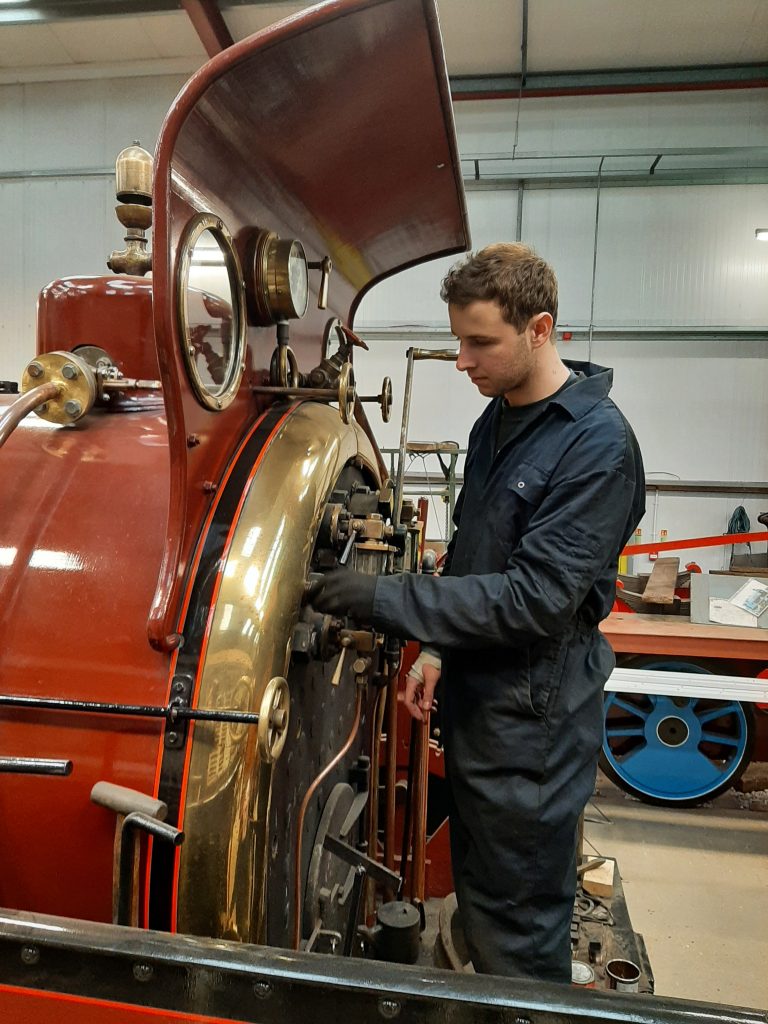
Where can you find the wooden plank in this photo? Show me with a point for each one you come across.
(672, 625)
(598, 881)
(660, 588)
(672, 634)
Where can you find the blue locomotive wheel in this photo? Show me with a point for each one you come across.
(675, 751)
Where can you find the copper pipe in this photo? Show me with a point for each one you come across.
(420, 780)
(303, 810)
(24, 405)
(373, 801)
(391, 781)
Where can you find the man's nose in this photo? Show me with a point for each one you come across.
(463, 362)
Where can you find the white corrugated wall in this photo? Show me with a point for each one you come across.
(667, 257)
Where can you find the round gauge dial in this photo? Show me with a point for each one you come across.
(279, 287)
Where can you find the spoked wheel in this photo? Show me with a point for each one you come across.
(675, 751)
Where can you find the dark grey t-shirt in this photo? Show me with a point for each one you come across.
(512, 420)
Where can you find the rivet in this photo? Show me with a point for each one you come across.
(262, 989)
(35, 369)
(389, 1008)
(172, 737)
(143, 972)
(30, 955)
(192, 440)
(69, 371)
(209, 486)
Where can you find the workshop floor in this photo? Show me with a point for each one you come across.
(696, 886)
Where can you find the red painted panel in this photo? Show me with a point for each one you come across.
(82, 518)
(113, 313)
(25, 1006)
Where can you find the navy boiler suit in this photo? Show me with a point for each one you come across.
(531, 572)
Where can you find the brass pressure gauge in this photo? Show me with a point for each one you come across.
(279, 285)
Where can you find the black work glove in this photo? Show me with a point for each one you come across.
(344, 592)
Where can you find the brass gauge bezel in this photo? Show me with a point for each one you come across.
(269, 287)
(224, 395)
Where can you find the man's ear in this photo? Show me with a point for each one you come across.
(541, 327)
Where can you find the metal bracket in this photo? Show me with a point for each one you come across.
(181, 694)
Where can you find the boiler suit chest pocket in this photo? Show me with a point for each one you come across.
(517, 500)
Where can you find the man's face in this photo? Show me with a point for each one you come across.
(493, 353)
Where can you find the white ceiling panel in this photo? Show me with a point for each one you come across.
(482, 37)
(104, 39)
(173, 35)
(591, 34)
(30, 46)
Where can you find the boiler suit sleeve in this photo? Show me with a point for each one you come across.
(576, 532)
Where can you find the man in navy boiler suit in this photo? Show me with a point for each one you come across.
(553, 489)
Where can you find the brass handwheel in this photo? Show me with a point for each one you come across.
(347, 393)
(274, 714)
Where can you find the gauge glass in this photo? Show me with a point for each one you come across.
(211, 331)
(211, 311)
(298, 279)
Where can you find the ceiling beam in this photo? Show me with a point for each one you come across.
(209, 25)
(575, 83)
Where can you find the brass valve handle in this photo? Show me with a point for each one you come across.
(384, 399)
(345, 393)
(325, 266)
(274, 713)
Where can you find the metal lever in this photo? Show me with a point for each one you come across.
(132, 824)
(325, 266)
(35, 766)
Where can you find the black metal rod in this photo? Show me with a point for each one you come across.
(171, 712)
(133, 823)
(35, 766)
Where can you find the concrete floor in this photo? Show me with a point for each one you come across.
(696, 885)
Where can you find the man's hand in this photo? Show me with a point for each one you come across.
(344, 592)
(420, 685)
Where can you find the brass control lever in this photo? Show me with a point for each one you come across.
(325, 266)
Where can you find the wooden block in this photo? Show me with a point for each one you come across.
(660, 588)
(598, 881)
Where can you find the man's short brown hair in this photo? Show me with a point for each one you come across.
(509, 273)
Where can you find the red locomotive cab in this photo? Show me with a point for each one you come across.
(187, 449)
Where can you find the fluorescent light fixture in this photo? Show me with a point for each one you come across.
(208, 258)
(761, 234)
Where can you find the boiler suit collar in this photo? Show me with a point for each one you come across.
(591, 388)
